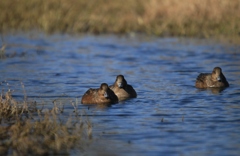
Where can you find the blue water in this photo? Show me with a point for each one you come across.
(169, 116)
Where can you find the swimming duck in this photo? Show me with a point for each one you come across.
(102, 95)
(214, 79)
(122, 89)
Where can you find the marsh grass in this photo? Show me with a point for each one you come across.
(28, 130)
(159, 17)
(2, 48)
(2, 51)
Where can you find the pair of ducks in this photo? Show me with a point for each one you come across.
(120, 90)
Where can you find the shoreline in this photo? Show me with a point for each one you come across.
(160, 18)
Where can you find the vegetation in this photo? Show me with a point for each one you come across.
(27, 130)
(158, 17)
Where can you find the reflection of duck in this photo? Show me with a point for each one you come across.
(216, 90)
(102, 95)
(122, 89)
(212, 80)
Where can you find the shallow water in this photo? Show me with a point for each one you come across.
(169, 116)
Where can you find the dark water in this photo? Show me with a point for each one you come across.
(169, 116)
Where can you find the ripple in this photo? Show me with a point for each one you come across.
(169, 116)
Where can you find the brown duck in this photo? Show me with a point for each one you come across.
(102, 95)
(211, 80)
(122, 89)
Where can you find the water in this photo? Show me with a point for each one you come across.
(169, 116)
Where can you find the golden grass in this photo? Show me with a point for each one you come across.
(2, 48)
(27, 130)
(159, 17)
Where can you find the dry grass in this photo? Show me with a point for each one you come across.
(27, 130)
(2, 48)
(159, 17)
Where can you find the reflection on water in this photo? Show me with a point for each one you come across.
(213, 90)
(169, 116)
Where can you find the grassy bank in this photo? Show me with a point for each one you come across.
(27, 130)
(158, 17)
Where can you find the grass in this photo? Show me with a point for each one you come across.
(159, 17)
(2, 48)
(28, 130)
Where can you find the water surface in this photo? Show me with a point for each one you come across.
(169, 116)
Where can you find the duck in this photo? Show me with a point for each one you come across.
(122, 89)
(216, 79)
(102, 95)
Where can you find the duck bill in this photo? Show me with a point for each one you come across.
(106, 95)
(120, 85)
